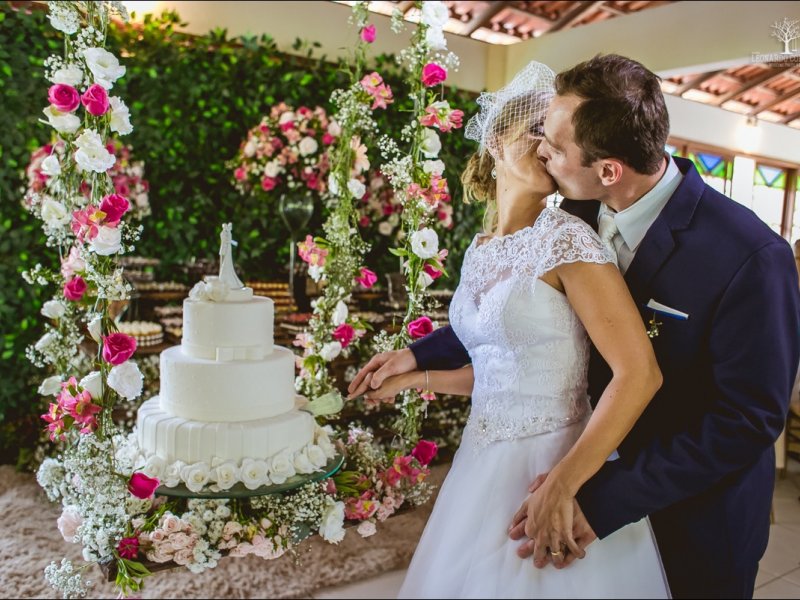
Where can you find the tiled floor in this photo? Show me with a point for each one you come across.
(778, 577)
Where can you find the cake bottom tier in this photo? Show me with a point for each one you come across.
(200, 454)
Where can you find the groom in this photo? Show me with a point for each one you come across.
(726, 332)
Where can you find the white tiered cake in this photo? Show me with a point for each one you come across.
(227, 410)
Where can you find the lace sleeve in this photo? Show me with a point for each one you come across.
(572, 240)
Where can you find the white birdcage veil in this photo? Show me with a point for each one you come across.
(508, 116)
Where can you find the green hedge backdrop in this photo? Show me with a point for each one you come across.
(192, 100)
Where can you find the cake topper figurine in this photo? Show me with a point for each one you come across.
(227, 273)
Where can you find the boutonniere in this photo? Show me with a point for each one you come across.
(653, 330)
(664, 311)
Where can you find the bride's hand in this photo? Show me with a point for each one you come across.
(395, 384)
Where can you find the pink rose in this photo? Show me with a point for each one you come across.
(344, 334)
(419, 328)
(268, 183)
(328, 139)
(75, 288)
(425, 451)
(64, 97)
(432, 271)
(118, 347)
(95, 99)
(433, 74)
(68, 523)
(114, 206)
(368, 34)
(366, 528)
(171, 524)
(368, 278)
(240, 174)
(72, 263)
(128, 548)
(142, 486)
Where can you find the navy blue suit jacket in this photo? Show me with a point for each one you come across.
(700, 461)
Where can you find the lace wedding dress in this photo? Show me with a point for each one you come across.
(530, 352)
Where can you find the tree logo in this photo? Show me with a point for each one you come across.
(787, 31)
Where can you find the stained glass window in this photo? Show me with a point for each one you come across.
(715, 170)
(768, 195)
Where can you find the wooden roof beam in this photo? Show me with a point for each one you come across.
(483, 18)
(696, 82)
(779, 99)
(762, 79)
(569, 18)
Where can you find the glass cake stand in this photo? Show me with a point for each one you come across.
(240, 491)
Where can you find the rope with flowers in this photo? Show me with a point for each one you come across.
(416, 176)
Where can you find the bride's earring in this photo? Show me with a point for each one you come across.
(494, 173)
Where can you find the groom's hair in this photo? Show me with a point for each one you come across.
(623, 114)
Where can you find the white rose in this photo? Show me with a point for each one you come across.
(302, 464)
(333, 185)
(155, 467)
(366, 528)
(61, 122)
(340, 313)
(315, 272)
(70, 74)
(195, 476)
(93, 383)
(226, 475)
(286, 117)
(424, 280)
(55, 214)
(217, 289)
(126, 380)
(120, 116)
(172, 474)
(435, 14)
(107, 242)
(317, 455)
(307, 145)
(330, 351)
(104, 66)
(356, 188)
(334, 129)
(92, 154)
(385, 228)
(68, 523)
(434, 167)
(332, 527)
(281, 467)
(254, 473)
(53, 309)
(199, 292)
(46, 340)
(431, 144)
(250, 148)
(51, 166)
(50, 386)
(425, 243)
(435, 39)
(272, 168)
(95, 330)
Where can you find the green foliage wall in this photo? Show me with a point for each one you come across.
(192, 100)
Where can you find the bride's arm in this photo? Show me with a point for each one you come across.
(458, 382)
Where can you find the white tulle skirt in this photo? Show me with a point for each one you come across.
(465, 551)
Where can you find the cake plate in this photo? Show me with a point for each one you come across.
(240, 491)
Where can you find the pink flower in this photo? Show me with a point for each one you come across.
(64, 97)
(269, 183)
(419, 328)
(371, 82)
(311, 253)
(344, 334)
(368, 278)
(95, 99)
(143, 486)
(72, 263)
(433, 74)
(85, 223)
(425, 452)
(363, 221)
(368, 34)
(240, 174)
(432, 271)
(114, 206)
(80, 407)
(328, 139)
(128, 548)
(382, 96)
(68, 523)
(438, 191)
(75, 288)
(118, 347)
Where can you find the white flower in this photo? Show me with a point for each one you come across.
(302, 463)
(104, 66)
(53, 309)
(435, 14)
(272, 168)
(356, 188)
(366, 528)
(434, 167)
(61, 122)
(70, 74)
(126, 380)
(315, 272)
(107, 242)
(334, 129)
(424, 280)
(332, 527)
(425, 243)
(51, 166)
(46, 340)
(431, 144)
(435, 39)
(95, 328)
(254, 473)
(68, 523)
(195, 476)
(286, 117)
(172, 474)
(217, 289)
(120, 116)
(155, 467)
(226, 475)
(50, 386)
(385, 228)
(92, 154)
(63, 17)
(340, 313)
(281, 467)
(330, 351)
(250, 148)
(93, 383)
(199, 292)
(317, 455)
(307, 145)
(55, 214)
(333, 184)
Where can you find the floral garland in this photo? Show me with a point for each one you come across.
(416, 176)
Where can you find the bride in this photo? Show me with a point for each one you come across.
(531, 289)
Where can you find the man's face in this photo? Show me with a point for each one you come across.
(562, 156)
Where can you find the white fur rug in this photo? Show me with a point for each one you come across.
(30, 540)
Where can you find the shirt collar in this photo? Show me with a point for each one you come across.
(634, 221)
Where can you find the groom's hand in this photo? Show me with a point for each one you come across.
(381, 366)
(581, 531)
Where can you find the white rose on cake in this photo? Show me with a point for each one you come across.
(282, 467)
(126, 380)
(254, 473)
(332, 527)
(317, 456)
(196, 476)
(217, 289)
(172, 474)
(302, 464)
(155, 466)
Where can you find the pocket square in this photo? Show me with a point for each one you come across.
(662, 309)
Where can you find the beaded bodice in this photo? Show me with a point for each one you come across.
(529, 350)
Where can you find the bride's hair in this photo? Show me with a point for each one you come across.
(479, 186)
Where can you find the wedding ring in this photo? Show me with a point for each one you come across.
(559, 553)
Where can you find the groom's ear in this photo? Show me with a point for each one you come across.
(609, 171)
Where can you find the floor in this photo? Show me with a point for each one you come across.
(778, 576)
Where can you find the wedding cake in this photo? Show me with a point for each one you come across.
(227, 411)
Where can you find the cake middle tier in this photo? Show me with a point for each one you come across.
(207, 390)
